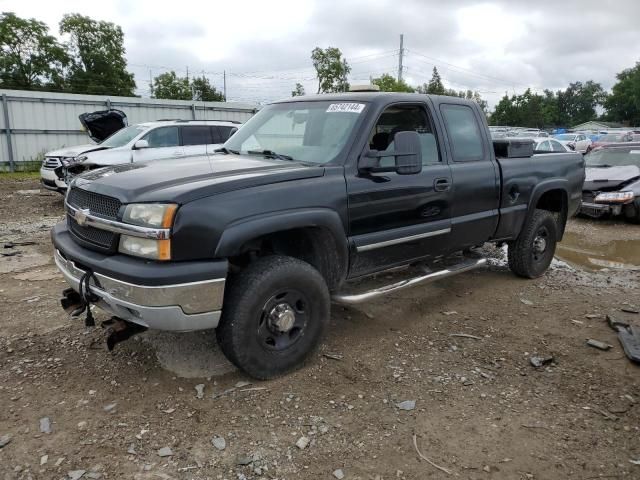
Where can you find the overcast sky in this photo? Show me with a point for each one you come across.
(264, 46)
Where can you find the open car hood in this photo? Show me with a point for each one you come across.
(610, 178)
(102, 124)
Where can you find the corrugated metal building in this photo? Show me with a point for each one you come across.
(33, 123)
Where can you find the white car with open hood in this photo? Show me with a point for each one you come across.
(161, 140)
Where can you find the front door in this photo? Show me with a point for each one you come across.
(164, 143)
(394, 219)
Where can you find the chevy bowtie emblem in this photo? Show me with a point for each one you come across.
(81, 216)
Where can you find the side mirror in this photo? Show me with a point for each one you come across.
(140, 144)
(407, 154)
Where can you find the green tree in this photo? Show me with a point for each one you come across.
(98, 63)
(435, 85)
(578, 103)
(30, 58)
(388, 83)
(204, 91)
(623, 105)
(331, 70)
(298, 91)
(169, 86)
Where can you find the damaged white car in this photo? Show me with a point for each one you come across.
(161, 140)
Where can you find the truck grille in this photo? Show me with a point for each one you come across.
(102, 239)
(51, 162)
(97, 204)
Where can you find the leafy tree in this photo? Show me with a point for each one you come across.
(168, 85)
(204, 91)
(577, 104)
(435, 85)
(30, 58)
(98, 63)
(388, 83)
(623, 105)
(298, 91)
(331, 70)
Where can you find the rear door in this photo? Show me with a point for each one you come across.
(164, 143)
(394, 219)
(195, 139)
(475, 173)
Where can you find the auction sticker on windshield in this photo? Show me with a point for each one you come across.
(345, 108)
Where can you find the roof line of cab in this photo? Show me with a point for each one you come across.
(372, 97)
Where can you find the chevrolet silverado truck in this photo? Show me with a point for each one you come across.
(302, 207)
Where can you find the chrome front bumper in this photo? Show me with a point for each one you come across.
(181, 308)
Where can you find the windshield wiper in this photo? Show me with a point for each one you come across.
(271, 154)
(226, 151)
(600, 165)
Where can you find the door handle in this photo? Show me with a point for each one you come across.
(441, 184)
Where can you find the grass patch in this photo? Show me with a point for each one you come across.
(17, 176)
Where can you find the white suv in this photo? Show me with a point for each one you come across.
(165, 139)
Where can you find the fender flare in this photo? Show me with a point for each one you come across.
(543, 187)
(237, 234)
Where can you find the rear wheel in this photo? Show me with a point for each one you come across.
(531, 254)
(274, 316)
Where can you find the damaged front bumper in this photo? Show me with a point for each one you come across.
(151, 294)
(597, 210)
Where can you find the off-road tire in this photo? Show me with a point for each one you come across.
(525, 259)
(242, 325)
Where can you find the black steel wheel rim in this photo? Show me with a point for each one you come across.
(540, 247)
(283, 320)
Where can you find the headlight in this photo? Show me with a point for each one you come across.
(153, 215)
(145, 247)
(614, 197)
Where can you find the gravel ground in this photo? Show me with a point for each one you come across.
(392, 378)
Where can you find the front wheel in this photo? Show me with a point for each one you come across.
(274, 316)
(531, 253)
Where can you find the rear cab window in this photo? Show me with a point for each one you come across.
(464, 132)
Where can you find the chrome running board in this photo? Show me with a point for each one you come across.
(353, 299)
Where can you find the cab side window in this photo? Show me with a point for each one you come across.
(557, 146)
(163, 137)
(464, 132)
(404, 118)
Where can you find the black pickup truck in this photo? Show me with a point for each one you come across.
(307, 198)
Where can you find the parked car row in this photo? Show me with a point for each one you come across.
(161, 140)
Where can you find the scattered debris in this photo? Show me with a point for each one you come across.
(541, 361)
(302, 443)
(45, 425)
(110, 407)
(76, 474)
(526, 302)
(465, 335)
(630, 310)
(604, 413)
(442, 469)
(28, 192)
(332, 356)
(199, 390)
(132, 450)
(241, 384)
(591, 316)
(44, 459)
(452, 312)
(244, 460)
(5, 440)
(219, 443)
(535, 426)
(339, 474)
(599, 345)
(165, 452)
(629, 337)
(406, 405)
(635, 462)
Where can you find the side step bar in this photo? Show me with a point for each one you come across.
(353, 299)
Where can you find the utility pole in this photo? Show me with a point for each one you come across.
(224, 84)
(400, 57)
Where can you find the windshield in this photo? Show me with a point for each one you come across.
(122, 137)
(613, 157)
(313, 132)
(565, 137)
(610, 138)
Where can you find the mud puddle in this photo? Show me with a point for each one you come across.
(578, 250)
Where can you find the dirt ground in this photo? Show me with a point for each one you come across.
(482, 411)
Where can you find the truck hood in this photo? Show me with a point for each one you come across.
(190, 178)
(610, 178)
(73, 151)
